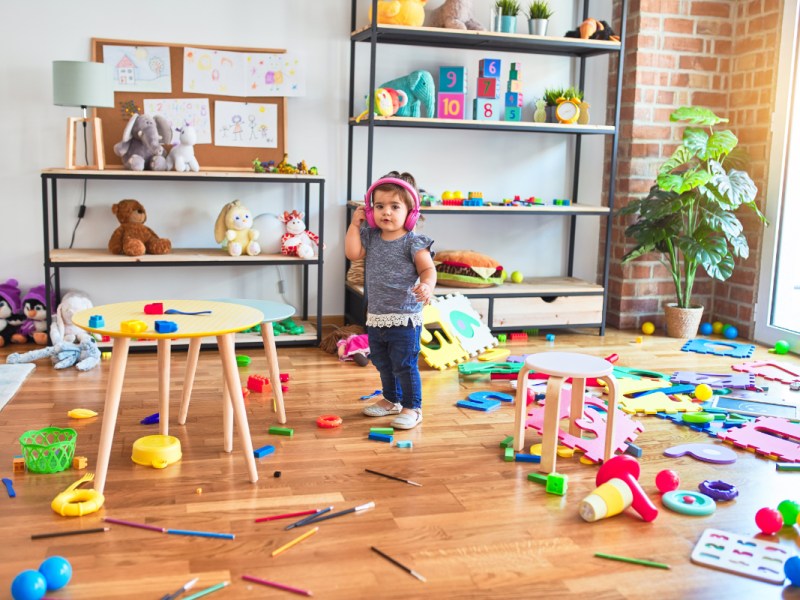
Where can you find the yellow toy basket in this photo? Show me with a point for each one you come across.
(48, 450)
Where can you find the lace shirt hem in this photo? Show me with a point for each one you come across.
(394, 320)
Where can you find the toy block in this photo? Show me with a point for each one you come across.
(633, 450)
(405, 444)
(97, 321)
(502, 337)
(531, 458)
(482, 404)
(486, 110)
(513, 74)
(513, 99)
(518, 336)
(166, 326)
(451, 106)
(150, 419)
(105, 355)
(515, 86)
(257, 383)
(281, 431)
(381, 437)
(489, 67)
(550, 337)
(509, 441)
(79, 462)
(383, 430)
(488, 87)
(556, 484)
(537, 477)
(155, 308)
(242, 360)
(104, 338)
(263, 451)
(508, 454)
(133, 326)
(453, 79)
(513, 113)
(515, 66)
(245, 392)
(18, 464)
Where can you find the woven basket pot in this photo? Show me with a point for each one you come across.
(682, 322)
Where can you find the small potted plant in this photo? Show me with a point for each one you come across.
(508, 11)
(538, 14)
(689, 219)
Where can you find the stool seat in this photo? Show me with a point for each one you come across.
(566, 364)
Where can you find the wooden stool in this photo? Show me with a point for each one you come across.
(560, 366)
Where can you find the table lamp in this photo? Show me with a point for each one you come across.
(84, 84)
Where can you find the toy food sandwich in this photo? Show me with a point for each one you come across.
(465, 268)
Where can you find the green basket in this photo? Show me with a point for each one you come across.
(48, 450)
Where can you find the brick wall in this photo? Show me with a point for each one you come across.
(718, 54)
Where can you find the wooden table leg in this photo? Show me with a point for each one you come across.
(613, 397)
(163, 385)
(231, 373)
(521, 408)
(227, 419)
(116, 375)
(268, 336)
(550, 427)
(576, 405)
(192, 356)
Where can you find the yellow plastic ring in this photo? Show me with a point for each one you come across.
(76, 503)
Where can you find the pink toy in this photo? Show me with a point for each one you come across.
(769, 520)
(297, 241)
(773, 371)
(773, 437)
(667, 481)
(705, 452)
(626, 469)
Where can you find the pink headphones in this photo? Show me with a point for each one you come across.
(413, 215)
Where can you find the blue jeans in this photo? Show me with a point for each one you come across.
(394, 351)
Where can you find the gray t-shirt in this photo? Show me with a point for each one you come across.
(389, 275)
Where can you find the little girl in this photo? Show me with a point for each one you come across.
(399, 278)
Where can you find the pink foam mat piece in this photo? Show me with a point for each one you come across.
(773, 371)
(773, 437)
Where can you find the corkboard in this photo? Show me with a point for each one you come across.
(209, 156)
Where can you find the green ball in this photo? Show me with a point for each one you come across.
(781, 347)
(516, 277)
(789, 510)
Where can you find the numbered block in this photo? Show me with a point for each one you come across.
(513, 113)
(489, 67)
(486, 110)
(453, 80)
(513, 75)
(515, 66)
(515, 85)
(513, 99)
(451, 106)
(488, 87)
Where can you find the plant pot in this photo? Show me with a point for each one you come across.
(550, 111)
(508, 24)
(537, 26)
(496, 22)
(682, 322)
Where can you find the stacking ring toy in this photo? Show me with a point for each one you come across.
(718, 490)
(329, 421)
(698, 417)
(76, 503)
(689, 503)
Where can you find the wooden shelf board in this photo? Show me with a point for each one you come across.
(532, 286)
(526, 126)
(207, 174)
(576, 209)
(65, 256)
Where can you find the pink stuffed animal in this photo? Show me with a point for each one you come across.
(297, 241)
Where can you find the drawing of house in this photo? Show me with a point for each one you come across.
(126, 71)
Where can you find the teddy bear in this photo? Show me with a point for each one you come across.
(400, 12)
(181, 157)
(133, 237)
(234, 230)
(455, 14)
(10, 305)
(34, 309)
(62, 328)
(297, 241)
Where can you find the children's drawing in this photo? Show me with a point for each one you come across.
(275, 75)
(216, 72)
(139, 68)
(180, 112)
(245, 124)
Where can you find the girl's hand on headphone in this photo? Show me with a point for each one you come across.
(359, 216)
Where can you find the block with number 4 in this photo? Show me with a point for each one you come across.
(451, 106)
(513, 99)
(484, 109)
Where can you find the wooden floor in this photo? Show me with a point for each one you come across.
(477, 528)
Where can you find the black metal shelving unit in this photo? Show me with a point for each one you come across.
(57, 258)
(569, 48)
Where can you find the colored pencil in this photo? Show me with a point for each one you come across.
(287, 515)
(131, 524)
(408, 570)
(209, 534)
(296, 540)
(186, 586)
(633, 561)
(347, 511)
(787, 466)
(280, 586)
(393, 477)
(307, 519)
(208, 590)
(39, 536)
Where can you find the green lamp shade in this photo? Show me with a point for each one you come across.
(77, 83)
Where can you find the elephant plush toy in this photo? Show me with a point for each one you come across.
(421, 92)
(140, 148)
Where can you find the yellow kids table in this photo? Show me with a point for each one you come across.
(127, 320)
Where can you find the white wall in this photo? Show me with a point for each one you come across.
(498, 164)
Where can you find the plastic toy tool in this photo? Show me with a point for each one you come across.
(175, 311)
(9, 487)
(625, 469)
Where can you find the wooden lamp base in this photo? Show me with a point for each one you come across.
(97, 143)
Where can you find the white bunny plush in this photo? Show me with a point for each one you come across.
(181, 157)
(62, 329)
(297, 241)
(234, 230)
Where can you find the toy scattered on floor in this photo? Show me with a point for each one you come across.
(740, 555)
(157, 451)
(297, 241)
(150, 419)
(132, 237)
(716, 454)
(263, 451)
(48, 450)
(715, 380)
(782, 347)
(720, 491)
(181, 157)
(140, 148)
(648, 328)
(456, 14)
(703, 392)
(718, 348)
(717, 327)
(626, 470)
(9, 485)
(657, 402)
(234, 230)
(80, 462)
(772, 437)
(667, 480)
(686, 502)
(274, 430)
(608, 500)
(730, 332)
(555, 483)
(329, 421)
(706, 328)
(769, 520)
(773, 371)
(54, 573)
(792, 570)
(789, 510)
(73, 502)
(63, 355)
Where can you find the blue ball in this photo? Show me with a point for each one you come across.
(706, 328)
(731, 332)
(57, 572)
(28, 585)
(792, 569)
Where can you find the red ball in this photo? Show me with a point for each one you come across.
(667, 481)
(769, 520)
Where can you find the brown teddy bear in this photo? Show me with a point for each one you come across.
(133, 237)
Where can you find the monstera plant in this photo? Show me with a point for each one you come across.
(689, 215)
